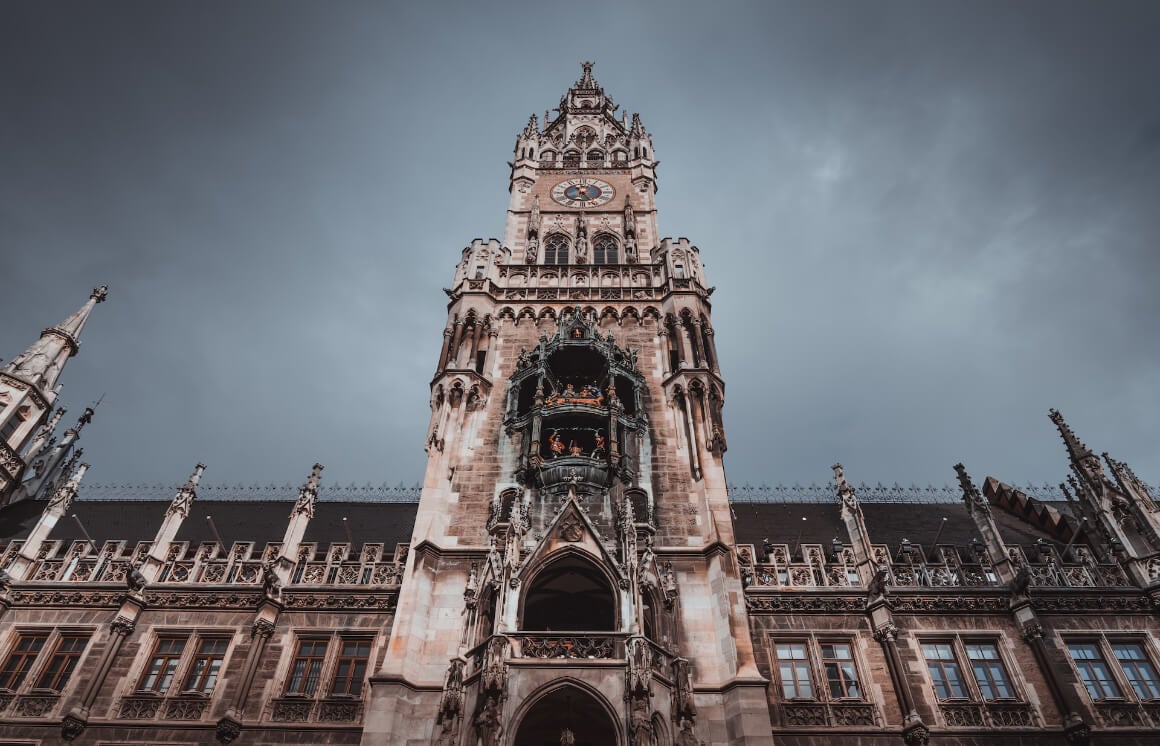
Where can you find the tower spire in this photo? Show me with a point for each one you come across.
(40, 365)
(586, 80)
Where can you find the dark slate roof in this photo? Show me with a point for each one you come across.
(887, 523)
(257, 521)
(392, 522)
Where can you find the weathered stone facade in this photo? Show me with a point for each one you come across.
(574, 570)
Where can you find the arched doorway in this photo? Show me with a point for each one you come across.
(567, 708)
(569, 595)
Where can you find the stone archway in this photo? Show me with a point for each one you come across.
(567, 707)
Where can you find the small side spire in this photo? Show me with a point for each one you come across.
(308, 494)
(186, 494)
(65, 494)
(637, 129)
(973, 499)
(845, 491)
(533, 127)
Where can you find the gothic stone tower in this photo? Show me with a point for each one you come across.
(571, 578)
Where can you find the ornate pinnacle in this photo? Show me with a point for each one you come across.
(637, 127)
(586, 80)
(100, 293)
(971, 497)
(1075, 447)
(63, 498)
(186, 493)
(533, 127)
(308, 493)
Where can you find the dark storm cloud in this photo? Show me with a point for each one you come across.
(926, 222)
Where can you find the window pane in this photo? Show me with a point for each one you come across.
(794, 670)
(1138, 668)
(841, 675)
(307, 667)
(1094, 671)
(944, 670)
(163, 664)
(21, 658)
(63, 661)
(203, 673)
(350, 671)
(989, 672)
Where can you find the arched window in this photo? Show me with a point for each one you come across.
(571, 158)
(595, 155)
(548, 155)
(604, 249)
(556, 249)
(567, 708)
(569, 595)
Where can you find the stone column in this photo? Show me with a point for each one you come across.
(75, 722)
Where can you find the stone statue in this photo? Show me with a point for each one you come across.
(630, 249)
(487, 722)
(135, 580)
(271, 583)
(533, 252)
(642, 728)
(686, 736)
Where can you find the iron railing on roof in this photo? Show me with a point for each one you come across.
(401, 493)
(368, 493)
(876, 493)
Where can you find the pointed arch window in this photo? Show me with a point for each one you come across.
(595, 155)
(604, 249)
(556, 249)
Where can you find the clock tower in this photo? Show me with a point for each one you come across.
(572, 576)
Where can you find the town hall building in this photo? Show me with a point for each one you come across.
(574, 570)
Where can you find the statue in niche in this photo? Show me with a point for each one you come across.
(487, 722)
(575, 450)
(629, 249)
(555, 444)
(532, 255)
(642, 729)
(599, 450)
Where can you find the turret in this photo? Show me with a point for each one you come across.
(28, 390)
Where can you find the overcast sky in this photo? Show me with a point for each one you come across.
(927, 222)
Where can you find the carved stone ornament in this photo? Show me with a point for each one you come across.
(228, 730)
(571, 529)
(886, 633)
(72, 726)
(263, 628)
(916, 734)
(1031, 631)
(123, 625)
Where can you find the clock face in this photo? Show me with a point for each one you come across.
(582, 192)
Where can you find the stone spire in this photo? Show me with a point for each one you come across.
(587, 82)
(1082, 458)
(40, 365)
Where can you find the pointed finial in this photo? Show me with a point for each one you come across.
(637, 127)
(100, 293)
(586, 80)
(532, 128)
(309, 493)
(845, 491)
(971, 496)
(186, 493)
(62, 499)
(1075, 447)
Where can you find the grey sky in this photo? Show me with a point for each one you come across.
(927, 222)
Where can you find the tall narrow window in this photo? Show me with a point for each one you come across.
(841, 674)
(306, 669)
(944, 670)
(604, 250)
(64, 659)
(556, 249)
(989, 671)
(351, 669)
(1094, 671)
(20, 660)
(793, 667)
(1138, 668)
(207, 665)
(162, 664)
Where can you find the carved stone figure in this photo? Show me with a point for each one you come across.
(135, 580)
(532, 255)
(487, 723)
(271, 583)
(642, 728)
(686, 736)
